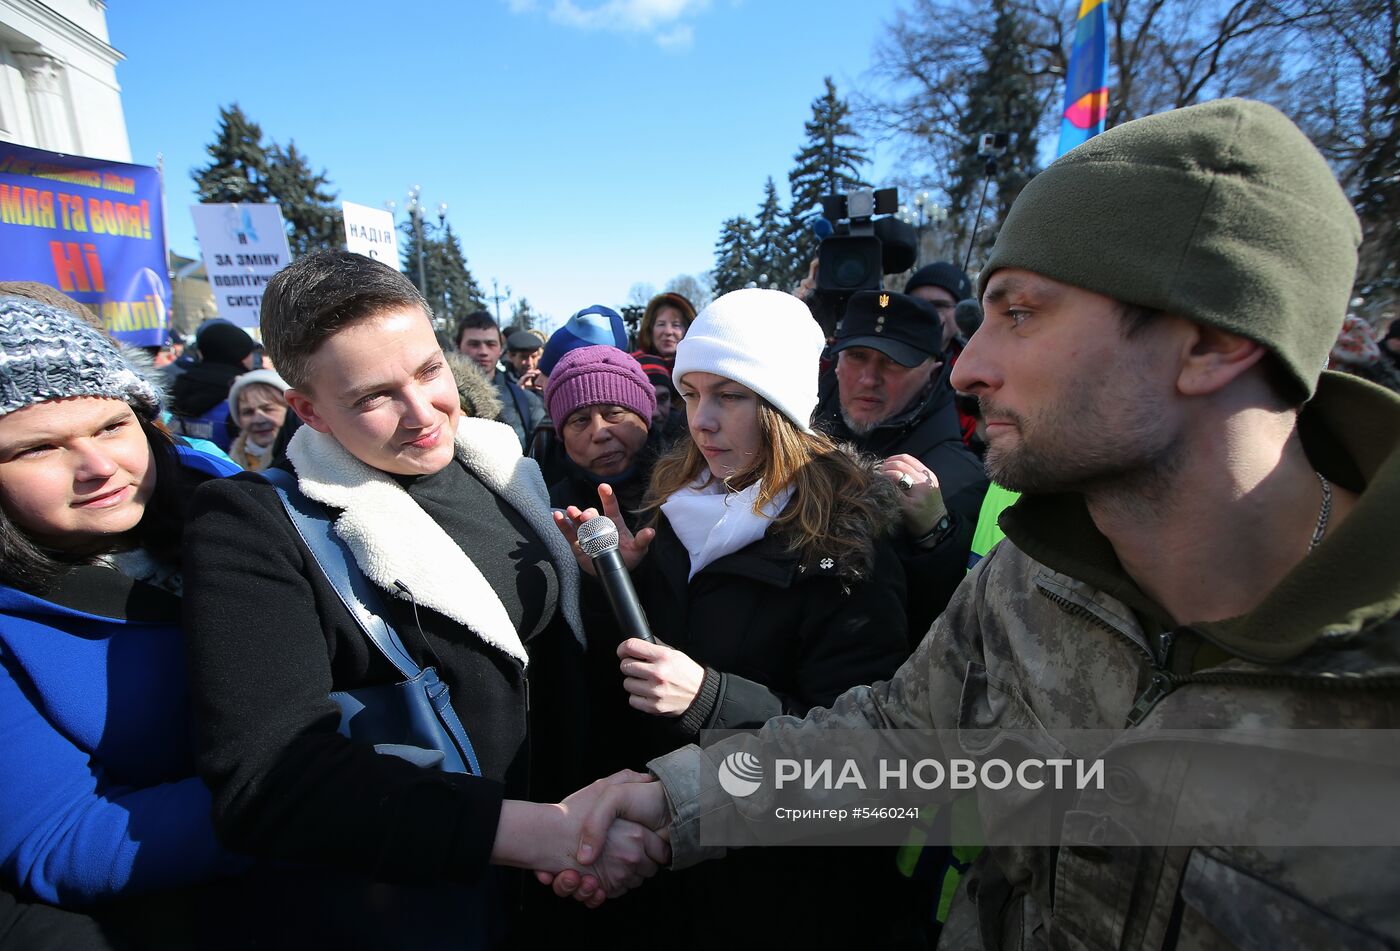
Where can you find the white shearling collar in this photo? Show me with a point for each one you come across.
(393, 539)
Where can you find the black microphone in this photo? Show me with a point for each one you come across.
(598, 539)
(968, 315)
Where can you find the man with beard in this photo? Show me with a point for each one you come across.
(889, 395)
(1200, 566)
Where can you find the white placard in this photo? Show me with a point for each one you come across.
(243, 246)
(370, 231)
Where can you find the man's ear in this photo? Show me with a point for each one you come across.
(302, 404)
(1213, 358)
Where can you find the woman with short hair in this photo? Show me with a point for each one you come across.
(450, 530)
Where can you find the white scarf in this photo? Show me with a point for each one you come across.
(255, 451)
(712, 522)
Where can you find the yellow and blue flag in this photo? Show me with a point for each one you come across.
(1086, 85)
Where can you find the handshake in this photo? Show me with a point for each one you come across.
(599, 843)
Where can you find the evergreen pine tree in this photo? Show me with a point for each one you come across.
(238, 167)
(451, 291)
(772, 250)
(828, 164)
(308, 204)
(734, 262)
(1000, 98)
(460, 294)
(243, 169)
(523, 316)
(409, 259)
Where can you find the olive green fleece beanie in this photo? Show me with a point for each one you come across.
(1223, 213)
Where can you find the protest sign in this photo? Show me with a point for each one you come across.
(370, 231)
(243, 246)
(91, 228)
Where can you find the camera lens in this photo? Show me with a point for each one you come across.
(853, 271)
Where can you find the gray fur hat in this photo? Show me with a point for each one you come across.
(46, 353)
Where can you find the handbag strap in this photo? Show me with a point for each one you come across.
(356, 592)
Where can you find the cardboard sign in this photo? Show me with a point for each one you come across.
(243, 246)
(370, 231)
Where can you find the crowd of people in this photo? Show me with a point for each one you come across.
(221, 574)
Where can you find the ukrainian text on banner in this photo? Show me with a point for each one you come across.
(90, 228)
(370, 231)
(243, 246)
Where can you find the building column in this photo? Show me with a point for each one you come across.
(43, 77)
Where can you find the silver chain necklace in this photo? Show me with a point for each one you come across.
(1323, 513)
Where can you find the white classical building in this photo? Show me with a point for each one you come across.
(58, 79)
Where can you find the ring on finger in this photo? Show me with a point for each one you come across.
(906, 481)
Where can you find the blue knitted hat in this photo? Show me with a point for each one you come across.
(592, 326)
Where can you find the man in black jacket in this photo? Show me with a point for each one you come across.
(889, 395)
(480, 339)
(200, 395)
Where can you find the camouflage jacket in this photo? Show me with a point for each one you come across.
(1049, 635)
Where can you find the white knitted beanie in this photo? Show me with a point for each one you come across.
(766, 340)
(266, 377)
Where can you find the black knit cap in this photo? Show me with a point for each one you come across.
(222, 342)
(906, 329)
(942, 274)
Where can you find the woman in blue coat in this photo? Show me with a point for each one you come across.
(99, 801)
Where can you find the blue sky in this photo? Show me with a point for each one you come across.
(582, 146)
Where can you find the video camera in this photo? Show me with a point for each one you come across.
(858, 249)
(993, 145)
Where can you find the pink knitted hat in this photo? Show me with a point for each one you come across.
(595, 375)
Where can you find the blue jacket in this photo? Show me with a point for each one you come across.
(98, 795)
(211, 425)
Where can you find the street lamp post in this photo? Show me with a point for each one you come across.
(414, 207)
(497, 297)
(415, 211)
(415, 214)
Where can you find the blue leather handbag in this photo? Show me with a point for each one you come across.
(414, 719)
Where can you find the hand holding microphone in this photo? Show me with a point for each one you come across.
(598, 539)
